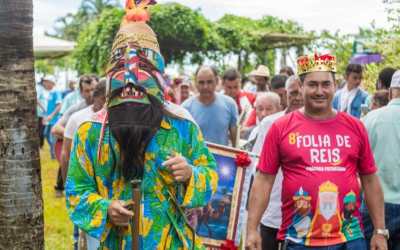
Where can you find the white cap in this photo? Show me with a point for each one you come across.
(50, 79)
(395, 80)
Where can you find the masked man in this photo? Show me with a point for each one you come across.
(138, 136)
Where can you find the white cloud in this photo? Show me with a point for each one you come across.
(344, 15)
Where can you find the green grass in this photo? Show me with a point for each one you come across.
(57, 225)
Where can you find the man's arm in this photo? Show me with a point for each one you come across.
(58, 129)
(56, 110)
(375, 203)
(374, 199)
(233, 133)
(66, 150)
(259, 199)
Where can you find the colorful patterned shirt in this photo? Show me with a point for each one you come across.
(93, 183)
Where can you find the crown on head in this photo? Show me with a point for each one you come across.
(328, 187)
(301, 194)
(315, 63)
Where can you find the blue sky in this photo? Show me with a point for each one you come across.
(346, 15)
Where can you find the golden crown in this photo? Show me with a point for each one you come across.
(328, 187)
(315, 63)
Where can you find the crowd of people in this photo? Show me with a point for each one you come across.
(328, 172)
(229, 115)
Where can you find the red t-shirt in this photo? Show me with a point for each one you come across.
(320, 161)
(252, 120)
(251, 98)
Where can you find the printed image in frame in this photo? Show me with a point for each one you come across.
(218, 221)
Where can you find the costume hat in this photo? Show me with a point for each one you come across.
(316, 63)
(136, 67)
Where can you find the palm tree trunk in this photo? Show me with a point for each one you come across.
(21, 204)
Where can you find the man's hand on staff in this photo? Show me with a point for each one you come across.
(181, 170)
(118, 214)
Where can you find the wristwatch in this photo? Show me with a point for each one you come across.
(383, 232)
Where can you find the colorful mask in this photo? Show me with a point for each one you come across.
(137, 73)
(136, 66)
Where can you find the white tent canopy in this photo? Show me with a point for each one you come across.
(50, 47)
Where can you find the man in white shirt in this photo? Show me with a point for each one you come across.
(72, 125)
(272, 217)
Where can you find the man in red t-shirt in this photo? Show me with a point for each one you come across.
(322, 153)
(231, 81)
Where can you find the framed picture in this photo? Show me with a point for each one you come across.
(219, 221)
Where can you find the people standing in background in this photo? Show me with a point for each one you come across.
(351, 97)
(295, 102)
(278, 86)
(41, 95)
(231, 82)
(385, 78)
(185, 90)
(173, 93)
(260, 77)
(383, 126)
(70, 88)
(85, 88)
(380, 99)
(215, 113)
(266, 104)
(287, 71)
(52, 111)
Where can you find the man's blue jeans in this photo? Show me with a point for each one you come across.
(358, 244)
(392, 221)
(50, 140)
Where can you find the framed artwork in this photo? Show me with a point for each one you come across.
(221, 220)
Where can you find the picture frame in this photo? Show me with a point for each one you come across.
(224, 217)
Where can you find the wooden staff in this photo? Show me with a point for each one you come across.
(136, 199)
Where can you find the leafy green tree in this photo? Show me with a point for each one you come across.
(69, 26)
(186, 36)
(95, 42)
(181, 32)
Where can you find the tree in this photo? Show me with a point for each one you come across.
(257, 38)
(94, 8)
(69, 26)
(95, 42)
(181, 32)
(21, 205)
(186, 36)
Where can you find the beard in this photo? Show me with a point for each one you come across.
(133, 125)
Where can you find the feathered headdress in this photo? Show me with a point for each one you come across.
(136, 10)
